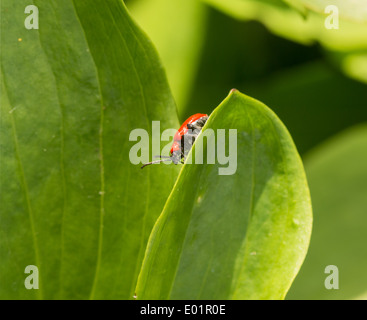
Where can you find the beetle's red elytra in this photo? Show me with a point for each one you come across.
(183, 139)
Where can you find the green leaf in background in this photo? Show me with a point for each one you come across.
(337, 175)
(72, 203)
(355, 10)
(177, 29)
(353, 63)
(240, 236)
(287, 22)
(347, 41)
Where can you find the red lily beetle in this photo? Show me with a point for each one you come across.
(181, 141)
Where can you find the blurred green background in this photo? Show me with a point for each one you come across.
(315, 79)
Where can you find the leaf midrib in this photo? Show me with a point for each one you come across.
(24, 186)
(62, 156)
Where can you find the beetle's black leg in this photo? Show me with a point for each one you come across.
(155, 162)
(162, 157)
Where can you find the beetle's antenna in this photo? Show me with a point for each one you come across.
(154, 162)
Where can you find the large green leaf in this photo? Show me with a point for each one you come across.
(337, 174)
(71, 202)
(240, 236)
(177, 29)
